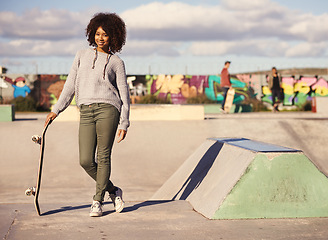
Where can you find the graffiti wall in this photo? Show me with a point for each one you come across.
(176, 89)
(299, 91)
(16, 85)
(47, 89)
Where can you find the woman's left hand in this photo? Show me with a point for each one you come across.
(121, 135)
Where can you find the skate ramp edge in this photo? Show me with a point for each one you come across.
(238, 178)
(147, 112)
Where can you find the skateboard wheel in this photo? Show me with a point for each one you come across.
(36, 139)
(30, 191)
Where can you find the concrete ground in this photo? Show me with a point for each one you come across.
(151, 153)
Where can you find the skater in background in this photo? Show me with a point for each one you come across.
(225, 82)
(98, 81)
(274, 83)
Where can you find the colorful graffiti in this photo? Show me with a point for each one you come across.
(15, 85)
(251, 79)
(299, 91)
(175, 88)
(178, 88)
(47, 89)
(214, 91)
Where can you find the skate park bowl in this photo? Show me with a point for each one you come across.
(238, 178)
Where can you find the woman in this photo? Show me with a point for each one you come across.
(275, 86)
(98, 81)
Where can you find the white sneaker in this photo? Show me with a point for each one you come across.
(96, 209)
(117, 199)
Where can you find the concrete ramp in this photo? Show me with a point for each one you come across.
(239, 178)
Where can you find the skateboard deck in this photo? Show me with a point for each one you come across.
(229, 100)
(36, 190)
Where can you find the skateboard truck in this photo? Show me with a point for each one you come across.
(36, 139)
(30, 191)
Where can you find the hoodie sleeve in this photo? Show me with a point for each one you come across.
(123, 89)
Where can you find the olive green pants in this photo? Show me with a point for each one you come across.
(98, 125)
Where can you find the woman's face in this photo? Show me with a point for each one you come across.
(102, 40)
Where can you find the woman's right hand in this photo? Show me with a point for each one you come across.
(51, 116)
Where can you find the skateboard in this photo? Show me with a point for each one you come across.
(229, 100)
(35, 191)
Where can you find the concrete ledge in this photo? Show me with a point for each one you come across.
(146, 112)
(235, 108)
(322, 105)
(71, 113)
(7, 113)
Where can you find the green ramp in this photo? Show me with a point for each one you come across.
(237, 178)
(287, 185)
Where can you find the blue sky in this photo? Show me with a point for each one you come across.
(19, 6)
(187, 37)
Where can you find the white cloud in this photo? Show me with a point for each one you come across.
(146, 48)
(26, 47)
(240, 27)
(231, 20)
(176, 22)
(261, 47)
(248, 5)
(36, 24)
(307, 49)
(310, 28)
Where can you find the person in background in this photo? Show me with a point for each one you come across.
(225, 82)
(274, 83)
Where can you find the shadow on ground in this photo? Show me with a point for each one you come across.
(85, 206)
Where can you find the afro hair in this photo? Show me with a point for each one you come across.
(113, 25)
